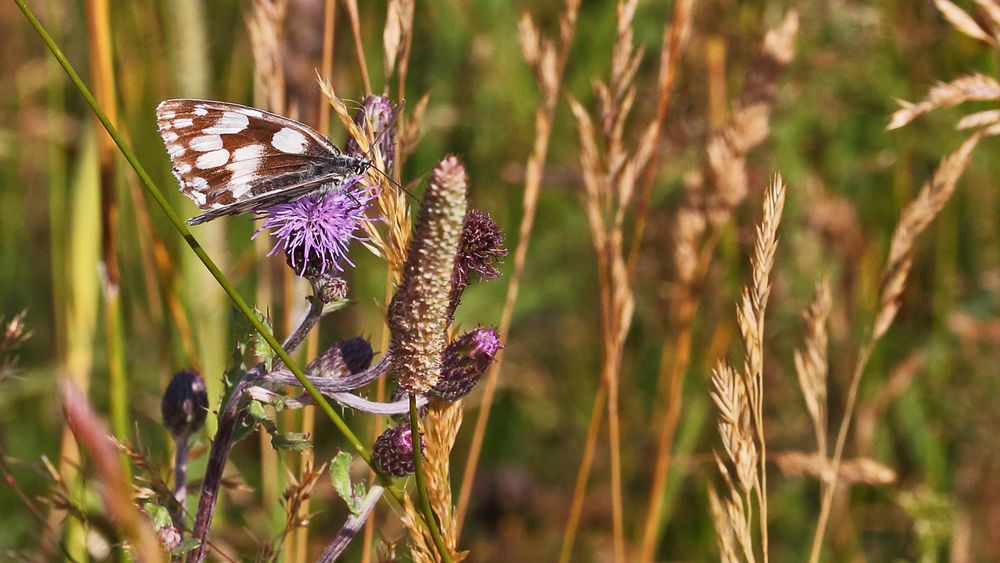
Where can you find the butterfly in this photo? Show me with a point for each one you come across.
(231, 159)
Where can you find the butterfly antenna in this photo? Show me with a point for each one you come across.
(395, 183)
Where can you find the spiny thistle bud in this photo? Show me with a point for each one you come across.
(357, 353)
(169, 536)
(393, 451)
(185, 403)
(331, 288)
(348, 357)
(480, 247)
(465, 362)
(418, 313)
(381, 115)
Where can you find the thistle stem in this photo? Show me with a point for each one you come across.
(418, 473)
(351, 527)
(180, 479)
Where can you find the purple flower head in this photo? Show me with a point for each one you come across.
(315, 231)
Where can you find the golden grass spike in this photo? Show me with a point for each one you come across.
(971, 87)
(864, 470)
(811, 362)
(962, 21)
(915, 218)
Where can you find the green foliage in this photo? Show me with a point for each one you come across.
(352, 493)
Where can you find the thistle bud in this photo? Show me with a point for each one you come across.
(465, 362)
(331, 288)
(185, 403)
(347, 357)
(380, 113)
(357, 353)
(393, 451)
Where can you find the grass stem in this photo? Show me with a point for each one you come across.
(418, 472)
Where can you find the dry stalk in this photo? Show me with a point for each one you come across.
(740, 396)
(296, 502)
(351, 7)
(852, 471)
(389, 237)
(440, 428)
(987, 29)
(710, 197)
(735, 423)
(918, 215)
(548, 60)
(811, 363)
(265, 25)
(610, 177)
(675, 38)
(971, 87)
(914, 220)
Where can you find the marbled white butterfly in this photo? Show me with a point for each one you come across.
(232, 159)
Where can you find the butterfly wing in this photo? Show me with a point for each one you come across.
(232, 159)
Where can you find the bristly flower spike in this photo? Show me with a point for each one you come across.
(418, 313)
(315, 231)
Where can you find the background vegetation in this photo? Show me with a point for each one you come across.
(927, 407)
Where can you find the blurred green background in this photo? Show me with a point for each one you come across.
(854, 59)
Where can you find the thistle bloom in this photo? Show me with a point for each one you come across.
(315, 231)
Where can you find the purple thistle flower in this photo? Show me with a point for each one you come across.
(315, 231)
